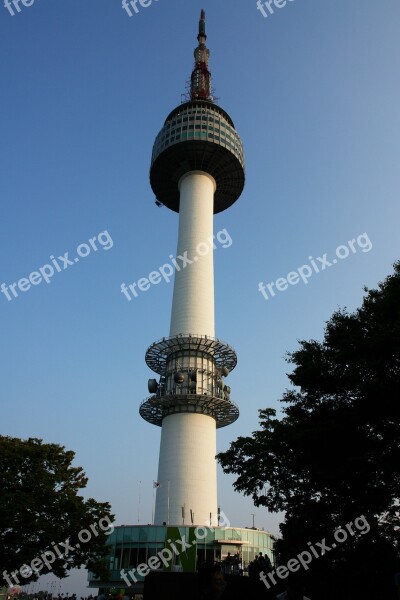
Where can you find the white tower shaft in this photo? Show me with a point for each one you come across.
(187, 470)
(193, 300)
(187, 467)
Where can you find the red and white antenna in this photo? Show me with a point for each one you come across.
(200, 82)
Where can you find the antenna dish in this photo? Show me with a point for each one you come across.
(152, 386)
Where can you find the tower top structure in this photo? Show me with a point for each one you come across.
(198, 135)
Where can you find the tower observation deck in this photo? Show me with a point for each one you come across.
(198, 135)
(197, 170)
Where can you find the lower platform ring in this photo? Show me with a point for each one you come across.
(154, 409)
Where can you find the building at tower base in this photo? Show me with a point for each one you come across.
(136, 551)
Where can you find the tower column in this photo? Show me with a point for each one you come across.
(187, 471)
(193, 300)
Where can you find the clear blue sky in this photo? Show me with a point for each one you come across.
(314, 92)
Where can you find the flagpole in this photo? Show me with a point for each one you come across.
(168, 505)
(152, 508)
(138, 510)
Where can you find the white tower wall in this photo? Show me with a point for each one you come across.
(193, 300)
(187, 470)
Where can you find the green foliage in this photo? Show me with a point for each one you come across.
(40, 505)
(335, 453)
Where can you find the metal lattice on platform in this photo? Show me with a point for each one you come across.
(222, 354)
(154, 409)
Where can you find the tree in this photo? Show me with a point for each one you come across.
(335, 453)
(45, 525)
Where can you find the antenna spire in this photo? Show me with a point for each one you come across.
(202, 26)
(200, 84)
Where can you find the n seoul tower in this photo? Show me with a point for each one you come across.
(197, 170)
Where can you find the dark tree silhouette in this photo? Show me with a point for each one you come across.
(42, 512)
(335, 454)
